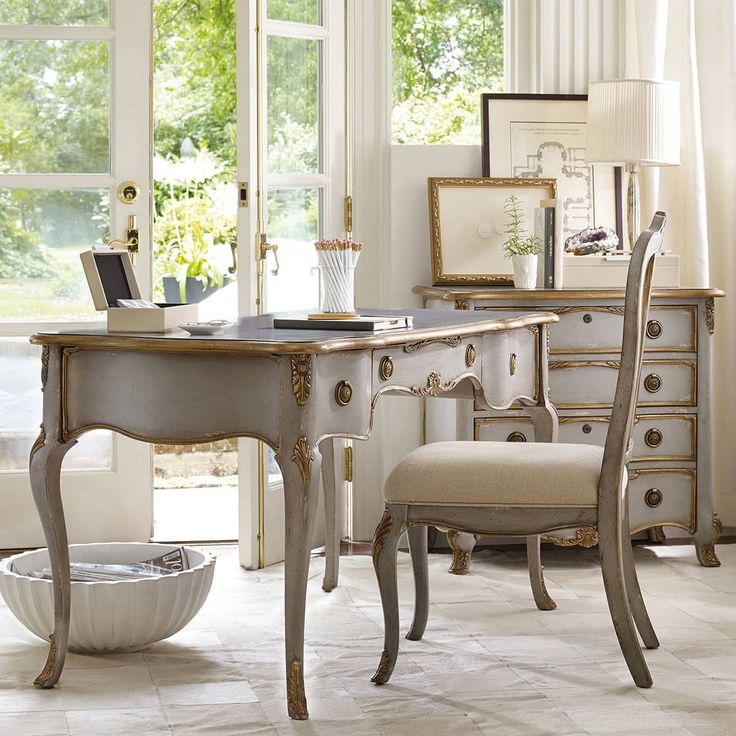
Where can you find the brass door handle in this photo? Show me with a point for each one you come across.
(234, 251)
(263, 247)
(131, 241)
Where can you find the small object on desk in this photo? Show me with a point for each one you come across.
(592, 240)
(608, 271)
(213, 327)
(337, 261)
(362, 322)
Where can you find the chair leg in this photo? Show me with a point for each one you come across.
(419, 561)
(612, 566)
(536, 575)
(636, 600)
(385, 546)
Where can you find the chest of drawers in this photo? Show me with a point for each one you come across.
(670, 471)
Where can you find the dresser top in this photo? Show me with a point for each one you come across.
(448, 293)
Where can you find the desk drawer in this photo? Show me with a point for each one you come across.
(656, 436)
(578, 384)
(662, 496)
(600, 330)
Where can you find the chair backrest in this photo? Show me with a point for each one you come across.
(636, 310)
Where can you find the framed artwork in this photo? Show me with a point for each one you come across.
(467, 225)
(544, 136)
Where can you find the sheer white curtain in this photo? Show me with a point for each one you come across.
(693, 42)
(558, 46)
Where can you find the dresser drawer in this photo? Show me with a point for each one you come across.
(600, 330)
(662, 496)
(577, 384)
(656, 436)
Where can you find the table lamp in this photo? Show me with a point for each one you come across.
(634, 122)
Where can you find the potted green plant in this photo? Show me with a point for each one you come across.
(520, 247)
(193, 229)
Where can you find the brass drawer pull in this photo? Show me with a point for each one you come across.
(654, 329)
(386, 367)
(653, 437)
(516, 437)
(652, 383)
(470, 355)
(653, 497)
(587, 429)
(512, 364)
(343, 393)
(587, 318)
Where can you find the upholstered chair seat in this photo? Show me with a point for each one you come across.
(497, 474)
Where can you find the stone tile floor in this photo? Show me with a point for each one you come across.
(490, 663)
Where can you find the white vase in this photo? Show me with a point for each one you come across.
(525, 271)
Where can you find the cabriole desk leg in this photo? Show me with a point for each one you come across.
(47, 454)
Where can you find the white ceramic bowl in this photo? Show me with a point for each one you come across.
(119, 616)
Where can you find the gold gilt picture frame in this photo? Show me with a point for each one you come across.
(467, 226)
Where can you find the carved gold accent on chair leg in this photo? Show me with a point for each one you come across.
(383, 528)
(301, 377)
(296, 699)
(40, 441)
(42, 680)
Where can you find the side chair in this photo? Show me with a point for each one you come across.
(515, 489)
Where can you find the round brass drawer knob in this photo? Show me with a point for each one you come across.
(587, 429)
(654, 329)
(652, 383)
(470, 355)
(516, 437)
(587, 318)
(343, 393)
(653, 497)
(653, 437)
(386, 368)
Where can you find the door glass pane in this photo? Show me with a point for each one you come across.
(42, 232)
(56, 12)
(293, 225)
(299, 11)
(55, 103)
(292, 105)
(20, 413)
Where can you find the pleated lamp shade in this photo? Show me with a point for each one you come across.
(634, 121)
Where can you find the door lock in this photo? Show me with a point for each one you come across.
(262, 251)
(131, 239)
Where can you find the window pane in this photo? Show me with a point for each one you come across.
(42, 232)
(55, 102)
(299, 11)
(56, 12)
(20, 413)
(293, 225)
(293, 105)
(445, 54)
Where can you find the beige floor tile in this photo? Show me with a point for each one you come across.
(34, 723)
(111, 722)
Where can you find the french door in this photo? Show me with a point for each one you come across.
(292, 171)
(74, 168)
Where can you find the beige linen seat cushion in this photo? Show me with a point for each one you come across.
(497, 474)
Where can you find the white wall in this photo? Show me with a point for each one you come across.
(398, 426)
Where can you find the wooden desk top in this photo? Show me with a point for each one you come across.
(256, 335)
(449, 293)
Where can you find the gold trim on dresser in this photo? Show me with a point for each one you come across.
(301, 377)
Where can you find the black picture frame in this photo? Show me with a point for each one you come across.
(499, 110)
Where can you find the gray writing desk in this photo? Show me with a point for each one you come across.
(290, 388)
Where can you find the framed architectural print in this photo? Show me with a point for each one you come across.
(544, 136)
(467, 225)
